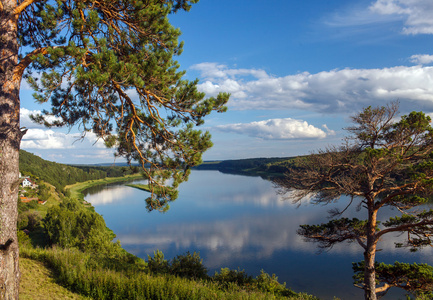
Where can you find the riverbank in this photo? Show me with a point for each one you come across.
(77, 188)
(143, 187)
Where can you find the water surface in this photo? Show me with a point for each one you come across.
(240, 222)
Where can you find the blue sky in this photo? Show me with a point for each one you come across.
(297, 71)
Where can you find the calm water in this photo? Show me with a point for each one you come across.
(238, 221)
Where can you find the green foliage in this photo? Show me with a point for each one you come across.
(26, 206)
(34, 220)
(416, 279)
(59, 175)
(383, 164)
(90, 75)
(43, 192)
(30, 220)
(335, 231)
(235, 279)
(77, 271)
(226, 277)
(252, 166)
(185, 265)
(420, 232)
(157, 264)
(188, 265)
(22, 222)
(23, 238)
(270, 284)
(70, 225)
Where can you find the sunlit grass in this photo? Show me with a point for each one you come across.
(39, 283)
(77, 188)
(78, 272)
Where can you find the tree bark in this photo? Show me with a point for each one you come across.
(10, 138)
(370, 255)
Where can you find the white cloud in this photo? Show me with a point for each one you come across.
(25, 120)
(276, 129)
(37, 138)
(421, 59)
(336, 91)
(46, 139)
(328, 131)
(213, 71)
(417, 13)
(53, 144)
(356, 16)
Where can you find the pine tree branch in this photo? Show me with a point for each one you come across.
(405, 227)
(383, 288)
(26, 61)
(20, 8)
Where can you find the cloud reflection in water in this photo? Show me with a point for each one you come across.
(239, 221)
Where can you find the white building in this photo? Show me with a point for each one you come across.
(27, 182)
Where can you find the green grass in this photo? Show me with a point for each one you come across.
(39, 283)
(157, 190)
(77, 188)
(78, 272)
(144, 187)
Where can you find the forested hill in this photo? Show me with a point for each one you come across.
(61, 175)
(265, 167)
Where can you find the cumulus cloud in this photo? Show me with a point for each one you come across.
(39, 137)
(276, 129)
(46, 139)
(421, 59)
(26, 122)
(337, 91)
(417, 14)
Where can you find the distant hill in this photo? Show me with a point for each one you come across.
(265, 167)
(61, 175)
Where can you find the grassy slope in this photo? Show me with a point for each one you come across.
(38, 282)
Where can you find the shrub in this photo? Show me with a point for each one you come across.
(227, 276)
(188, 265)
(22, 221)
(270, 284)
(23, 238)
(157, 264)
(34, 220)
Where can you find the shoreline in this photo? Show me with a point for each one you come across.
(77, 188)
(143, 187)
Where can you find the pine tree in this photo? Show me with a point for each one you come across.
(109, 67)
(382, 164)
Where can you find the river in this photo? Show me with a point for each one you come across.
(240, 222)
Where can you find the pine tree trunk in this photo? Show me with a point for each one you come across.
(10, 137)
(369, 257)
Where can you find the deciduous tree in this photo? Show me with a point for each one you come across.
(382, 164)
(102, 65)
